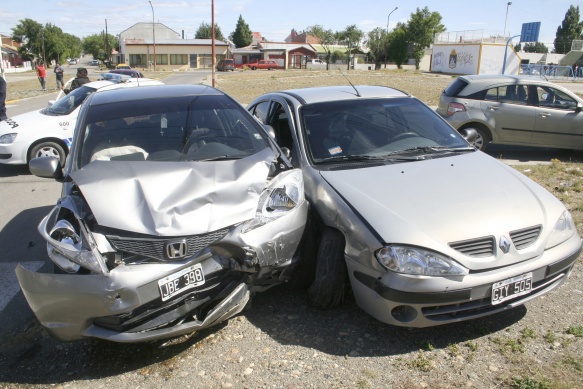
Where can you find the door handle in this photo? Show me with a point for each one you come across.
(545, 115)
(492, 108)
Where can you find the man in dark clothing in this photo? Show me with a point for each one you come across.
(79, 80)
(2, 99)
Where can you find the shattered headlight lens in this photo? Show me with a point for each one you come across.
(282, 195)
(564, 229)
(66, 248)
(417, 261)
(8, 138)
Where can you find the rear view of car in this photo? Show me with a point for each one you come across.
(176, 208)
(226, 65)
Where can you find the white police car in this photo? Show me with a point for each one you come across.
(49, 131)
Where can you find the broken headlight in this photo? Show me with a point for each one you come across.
(283, 194)
(564, 229)
(67, 247)
(417, 261)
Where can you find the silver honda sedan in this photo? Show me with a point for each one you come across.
(514, 110)
(176, 208)
(393, 190)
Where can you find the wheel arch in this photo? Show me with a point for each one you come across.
(58, 141)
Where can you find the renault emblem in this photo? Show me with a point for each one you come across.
(176, 250)
(504, 244)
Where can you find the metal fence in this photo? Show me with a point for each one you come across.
(551, 72)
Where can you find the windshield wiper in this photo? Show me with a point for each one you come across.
(431, 149)
(218, 158)
(351, 158)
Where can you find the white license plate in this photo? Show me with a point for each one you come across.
(180, 281)
(511, 287)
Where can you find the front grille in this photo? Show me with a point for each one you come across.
(480, 247)
(525, 237)
(154, 247)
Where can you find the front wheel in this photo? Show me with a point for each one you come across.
(48, 149)
(327, 290)
(254, 68)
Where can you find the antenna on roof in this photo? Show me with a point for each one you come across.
(344, 75)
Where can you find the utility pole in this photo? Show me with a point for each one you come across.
(214, 74)
(106, 52)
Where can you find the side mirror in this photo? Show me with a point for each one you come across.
(46, 167)
(579, 107)
(269, 131)
(469, 134)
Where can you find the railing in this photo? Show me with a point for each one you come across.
(550, 72)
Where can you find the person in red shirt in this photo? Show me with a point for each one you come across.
(42, 73)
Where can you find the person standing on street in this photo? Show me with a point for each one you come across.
(3, 99)
(42, 73)
(59, 70)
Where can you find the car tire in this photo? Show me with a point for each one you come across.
(327, 290)
(483, 138)
(254, 68)
(48, 149)
(303, 273)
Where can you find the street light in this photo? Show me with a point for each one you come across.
(505, 20)
(153, 33)
(388, 18)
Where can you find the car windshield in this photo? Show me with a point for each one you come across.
(186, 128)
(376, 129)
(67, 104)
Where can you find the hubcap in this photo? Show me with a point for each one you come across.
(47, 152)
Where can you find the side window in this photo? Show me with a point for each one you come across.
(554, 98)
(491, 94)
(260, 111)
(280, 123)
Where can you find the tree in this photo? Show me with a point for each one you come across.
(517, 47)
(537, 47)
(73, 47)
(205, 31)
(376, 43)
(421, 29)
(351, 37)
(242, 36)
(569, 30)
(29, 34)
(398, 44)
(95, 45)
(325, 38)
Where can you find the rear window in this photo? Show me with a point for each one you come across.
(455, 87)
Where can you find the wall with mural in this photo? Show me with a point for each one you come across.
(473, 59)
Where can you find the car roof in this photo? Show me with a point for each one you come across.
(479, 82)
(344, 92)
(151, 92)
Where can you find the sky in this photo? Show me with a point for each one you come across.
(275, 19)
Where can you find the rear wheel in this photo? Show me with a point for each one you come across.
(48, 149)
(483, 137)
(254, 68)
(327, 290)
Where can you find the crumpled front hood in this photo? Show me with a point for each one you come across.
(174, 198)
(435, 202)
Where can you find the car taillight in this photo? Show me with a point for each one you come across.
(455, 107)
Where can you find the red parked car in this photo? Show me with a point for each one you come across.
(263, 64)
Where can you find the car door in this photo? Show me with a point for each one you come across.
(559, 123)
(510, 112)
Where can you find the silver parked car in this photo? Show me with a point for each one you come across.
(514, 110)
(393, 190)
(176, 207)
